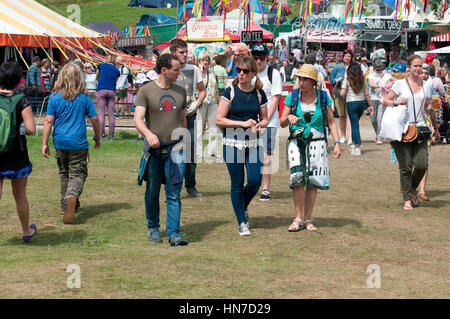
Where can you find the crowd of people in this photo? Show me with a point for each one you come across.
(238, 97)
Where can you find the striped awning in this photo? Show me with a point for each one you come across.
(441, 38)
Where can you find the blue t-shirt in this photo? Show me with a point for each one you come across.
(108, 77)
(245, 105)
(69, 130)
(233, 68)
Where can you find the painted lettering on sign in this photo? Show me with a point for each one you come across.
(384, 24)
(251, 36)
(136, 31)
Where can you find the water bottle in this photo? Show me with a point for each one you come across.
(23, 130)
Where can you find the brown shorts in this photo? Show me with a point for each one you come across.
(341, 106)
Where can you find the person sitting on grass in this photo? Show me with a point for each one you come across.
(14, 162)
(67, 109)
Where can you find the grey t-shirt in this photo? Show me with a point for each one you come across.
(163, 108)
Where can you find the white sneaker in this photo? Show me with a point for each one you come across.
(352, 148)
(244, 230)
(349, 142)
(343, 140)
(356, 151)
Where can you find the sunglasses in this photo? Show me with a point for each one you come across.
(239, 70)
(259, 57)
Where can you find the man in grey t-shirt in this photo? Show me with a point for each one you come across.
(162, 104)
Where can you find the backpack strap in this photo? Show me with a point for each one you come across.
(295, 94)
(270, 72)
(323, 105)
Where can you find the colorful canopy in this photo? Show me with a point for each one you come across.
(441, 38)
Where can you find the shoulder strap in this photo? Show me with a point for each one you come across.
(295, 96)
(269, 73)
(231, 92)
(414, 104)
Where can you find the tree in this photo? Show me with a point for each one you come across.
(437, 6)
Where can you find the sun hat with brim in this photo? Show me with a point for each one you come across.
(308, 71)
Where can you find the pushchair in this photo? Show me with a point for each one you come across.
(444, 128)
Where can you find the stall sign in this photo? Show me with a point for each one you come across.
(251, 36)
(133, 42)
(385, 24)
(205, 29)
(136, 31)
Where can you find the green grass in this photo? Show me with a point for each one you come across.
(360, 222)
(116, 11)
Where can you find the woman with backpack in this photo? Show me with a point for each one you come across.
(14, 162)
(355, 90)
(242, 114)
(308, 113)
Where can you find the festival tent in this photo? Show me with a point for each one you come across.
(154, 3)
(105, 27)
(154, 19)
(26, 23)
(444, 50)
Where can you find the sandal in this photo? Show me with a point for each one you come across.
(407, 208)
(422, 196)
(310, 227)
(294, 227)
(414, 199)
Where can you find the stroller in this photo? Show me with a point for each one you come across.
(444, 128)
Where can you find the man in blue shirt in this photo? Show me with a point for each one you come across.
(231, 64)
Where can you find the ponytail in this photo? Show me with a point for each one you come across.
(258, 84)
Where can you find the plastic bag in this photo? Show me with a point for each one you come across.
(393, 123)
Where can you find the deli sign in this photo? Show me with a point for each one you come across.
(203, 29)
(251, 36)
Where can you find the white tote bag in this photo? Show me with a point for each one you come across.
(393, 123)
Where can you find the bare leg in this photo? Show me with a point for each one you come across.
(342, 126)
(266, 172)
(19, 186)
(310, 200)
(299, 200)
(422, 185)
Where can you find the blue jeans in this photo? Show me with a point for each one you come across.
(355, 110)
(236, 160)
(157, 166)
(191, 166)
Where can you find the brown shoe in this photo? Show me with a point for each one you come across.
(423, 197)
(69, 212)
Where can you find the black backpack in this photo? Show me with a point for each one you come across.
(288, 71)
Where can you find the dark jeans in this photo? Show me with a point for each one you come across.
(157, 167)
(191, 165)
(33, 96)
(355, 110)
(413, 162)
(237, 160)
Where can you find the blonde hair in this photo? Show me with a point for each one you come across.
(250, 63)
(110, 59)
(70, 82)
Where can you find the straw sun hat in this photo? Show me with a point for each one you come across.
(308, 71)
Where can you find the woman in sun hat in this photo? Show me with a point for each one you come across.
(304, 112)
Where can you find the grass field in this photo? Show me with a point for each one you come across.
(360, 223)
